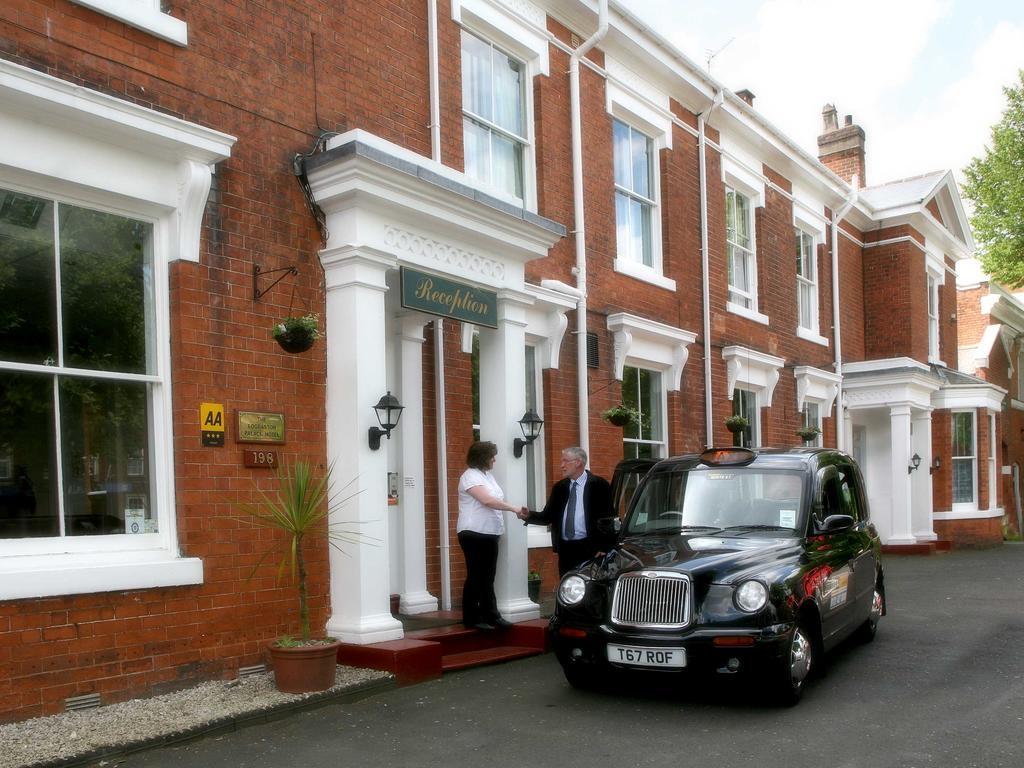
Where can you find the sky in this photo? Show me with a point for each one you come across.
(923, 78)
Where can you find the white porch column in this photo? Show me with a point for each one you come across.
(414, 597)
(921, 478)
(900, 528)
(502, 404)
(356, 364)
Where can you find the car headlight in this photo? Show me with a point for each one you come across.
(751, 596)
(572, 589)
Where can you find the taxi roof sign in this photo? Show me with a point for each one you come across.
(731, 456)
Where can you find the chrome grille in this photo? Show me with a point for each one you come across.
(652, 599)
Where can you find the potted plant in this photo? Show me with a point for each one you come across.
(736, 424)
(533, 583)
(621, 415)
(808, 432)
(299, 507)
(297, 334)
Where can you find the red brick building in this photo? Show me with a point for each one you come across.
(990, 323)
(623, 233)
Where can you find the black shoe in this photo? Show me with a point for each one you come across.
(483, 625)
(503, 623)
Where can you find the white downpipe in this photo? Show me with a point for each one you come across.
(705, 268)
(435, 88)
(836, 218)
(582, 393)
(442, 466)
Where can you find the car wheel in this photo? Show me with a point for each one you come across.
(794, 668)
(866, 632)
(583, 678)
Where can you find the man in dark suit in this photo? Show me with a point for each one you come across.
(579, 511)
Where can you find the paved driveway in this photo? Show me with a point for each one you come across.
(943, 685)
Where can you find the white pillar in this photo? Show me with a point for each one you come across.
(900, 528)
(502, 404)
(921, 479)
(356, 366)
(414, 597)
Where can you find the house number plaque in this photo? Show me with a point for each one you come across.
(260, 458)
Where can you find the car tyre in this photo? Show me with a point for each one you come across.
(580, 677)
(866, 632)
(794, 668)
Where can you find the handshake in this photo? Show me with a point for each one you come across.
(522, 513)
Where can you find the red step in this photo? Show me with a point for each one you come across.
(484, 656)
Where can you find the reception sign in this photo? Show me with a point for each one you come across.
(448, 298)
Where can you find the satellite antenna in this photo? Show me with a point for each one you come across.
(709, 54)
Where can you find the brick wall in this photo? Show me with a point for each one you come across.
(895, 297)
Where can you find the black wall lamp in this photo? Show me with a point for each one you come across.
(389, 411)
(531, 424)
(915, 462)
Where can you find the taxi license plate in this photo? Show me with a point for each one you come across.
(647, 657)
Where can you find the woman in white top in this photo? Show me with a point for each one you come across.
(480, 525)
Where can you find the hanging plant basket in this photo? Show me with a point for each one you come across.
(297, 334)
(736, 424)
(808, 434)
(620, 415)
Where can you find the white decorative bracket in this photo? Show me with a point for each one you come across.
(817, 386)
(650, 343)
(755, 370)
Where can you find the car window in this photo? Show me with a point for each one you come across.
(838, 496)
(718, 498)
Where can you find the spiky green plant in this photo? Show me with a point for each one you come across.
(300, 506)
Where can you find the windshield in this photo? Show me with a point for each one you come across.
(712, 499)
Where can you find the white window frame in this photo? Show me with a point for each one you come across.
(623, 250)
(816, 421)
(635, 103)
(933, 317)
(146, 15)
(809, 328)
(77, 146)
(740, 177)
(754, 411)
(747, 253)
(660, 447)
(993, 483)
(972, 505)
(519, 33)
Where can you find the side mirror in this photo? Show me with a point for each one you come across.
(836, 523)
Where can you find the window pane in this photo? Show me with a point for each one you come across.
(963, 434)
(631, 398)
(28, 499)
(650, 404)
(742, 221)
(104, 424)
(620, 136)
(507, 165)
(476, 76)
(646, 253)
(641, 164)
(805, 297)
(476, 140)
(963, 481)
(508, 93)
(622, 235)
(106, 287)
(730, 215)
(28, 315)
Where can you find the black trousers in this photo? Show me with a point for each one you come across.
(478, 602)
(572, 553)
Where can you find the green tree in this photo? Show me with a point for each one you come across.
(995, 184)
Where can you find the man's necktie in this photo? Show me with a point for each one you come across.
(569, 529)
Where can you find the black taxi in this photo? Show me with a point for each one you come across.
(730, 562)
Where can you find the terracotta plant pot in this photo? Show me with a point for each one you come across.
(304, 668)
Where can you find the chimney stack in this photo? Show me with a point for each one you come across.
(842, 149)
(747, 96)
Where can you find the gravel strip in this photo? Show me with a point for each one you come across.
(64, 737)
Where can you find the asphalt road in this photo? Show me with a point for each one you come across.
(942, 685)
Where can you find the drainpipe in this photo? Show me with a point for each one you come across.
(435, 89)
(442, 466)
(705, 269)
(836, 218)
(580, 229)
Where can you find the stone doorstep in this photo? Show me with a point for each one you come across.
(924, 548)
(426, 653)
